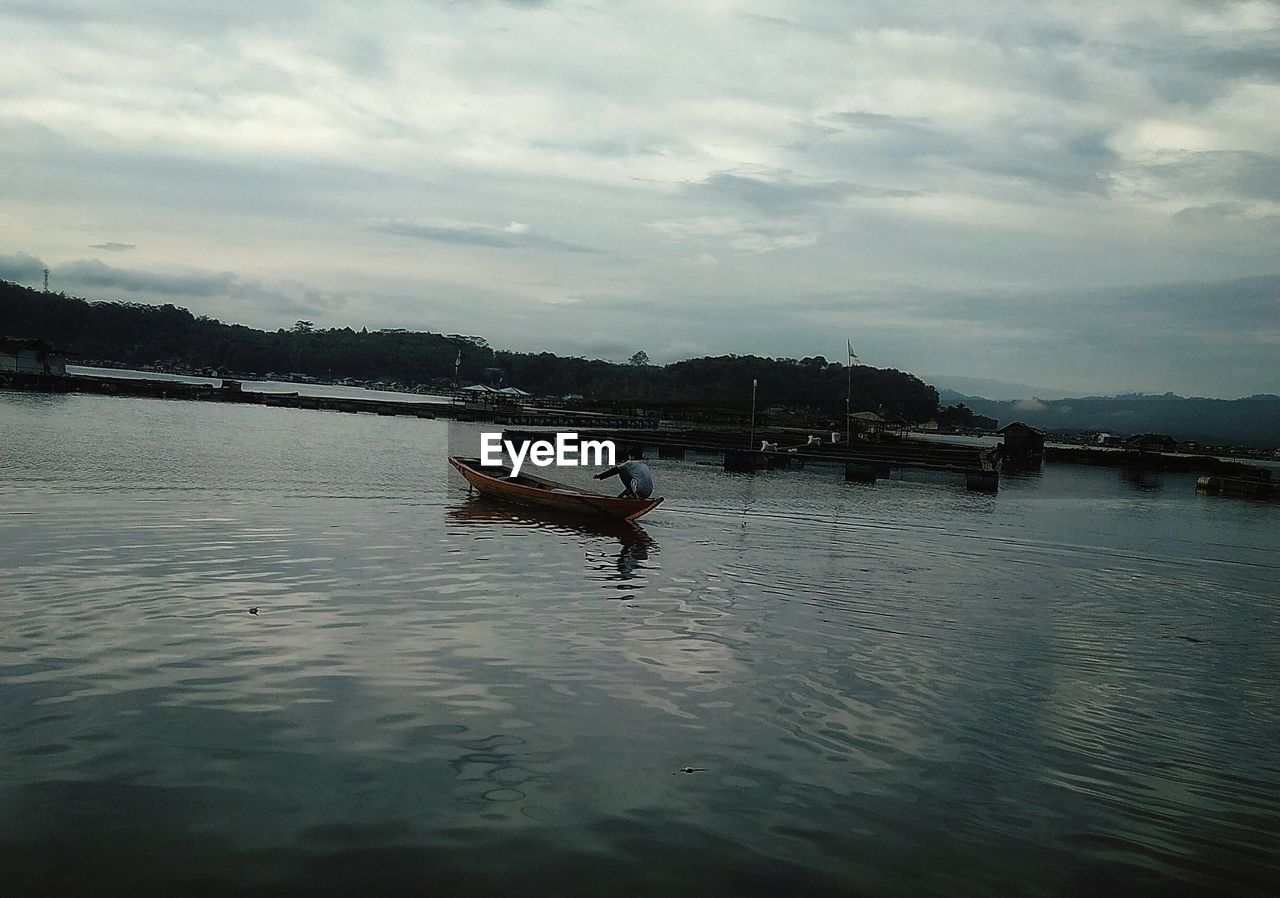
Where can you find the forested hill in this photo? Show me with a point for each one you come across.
(133, 334)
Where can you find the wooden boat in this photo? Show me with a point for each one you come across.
(538, 492)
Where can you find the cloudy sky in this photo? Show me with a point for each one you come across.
(1082, 196)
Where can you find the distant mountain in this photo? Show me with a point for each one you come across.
(998, 390)
(1254, 421)
(1267, 397)
(1156, 397)
(951, 397)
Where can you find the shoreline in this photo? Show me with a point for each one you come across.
(669, 438)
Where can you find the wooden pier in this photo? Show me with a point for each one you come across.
(861, 461)
(231, 391)
(794, 450)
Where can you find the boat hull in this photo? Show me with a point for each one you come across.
(535, 492)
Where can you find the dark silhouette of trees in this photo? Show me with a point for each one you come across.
(133, 334)
(961, 417)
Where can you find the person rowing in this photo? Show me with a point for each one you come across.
(637, 482)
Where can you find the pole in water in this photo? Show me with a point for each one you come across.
(751, 439)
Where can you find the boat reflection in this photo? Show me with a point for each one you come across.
(635, 545)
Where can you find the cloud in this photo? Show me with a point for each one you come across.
(1060, 159)
(1242, 221)
(114, 247)
(97, 275)
(879, 121)
(1247, 175)
(979, 188)
(1212, 212)
(1200, 68)
(678, 349)
(1060, 156)
(781, 195)
(221, 294)
(735, 234)
(897, 136)
(21, 268)
(513, 236)
(606, 146)
(1187, 334)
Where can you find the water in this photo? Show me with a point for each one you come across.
(898, 689)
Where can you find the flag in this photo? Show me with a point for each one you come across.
(458, 360)
(853, 359)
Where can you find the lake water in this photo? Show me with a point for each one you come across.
(896, 689)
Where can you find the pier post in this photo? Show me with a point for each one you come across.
(982, 481)
(857, 472)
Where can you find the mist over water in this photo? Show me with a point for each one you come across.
(895, 689)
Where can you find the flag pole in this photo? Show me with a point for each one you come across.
(752, 438)
(848, 395)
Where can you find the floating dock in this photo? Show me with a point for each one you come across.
(1263, 489)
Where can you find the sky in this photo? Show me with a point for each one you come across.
(1079, 196)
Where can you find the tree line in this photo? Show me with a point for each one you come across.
(135, 334)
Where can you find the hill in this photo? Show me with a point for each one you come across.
(133, 334)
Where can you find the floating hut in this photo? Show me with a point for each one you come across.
(1023, 447)
(867, 425)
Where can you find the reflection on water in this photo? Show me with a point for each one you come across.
(1145, 479)
(634, 544)
(896, 688)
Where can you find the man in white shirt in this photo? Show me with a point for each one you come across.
(637, 482)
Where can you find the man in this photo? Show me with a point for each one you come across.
(637, 482)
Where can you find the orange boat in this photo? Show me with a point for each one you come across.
(537, 492)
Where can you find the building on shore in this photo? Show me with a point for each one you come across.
(1151, 442)
(29, 356)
